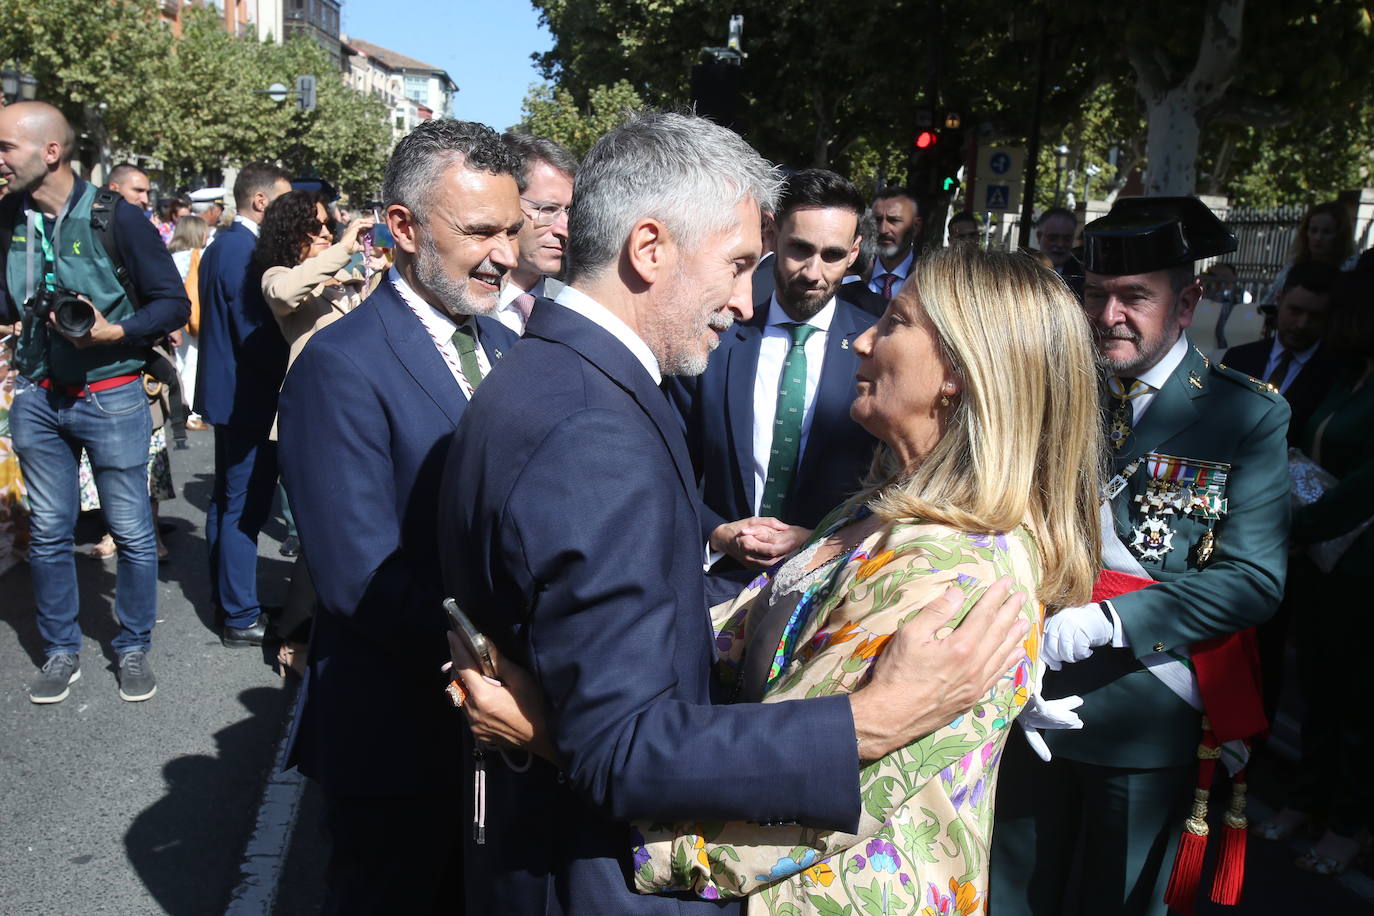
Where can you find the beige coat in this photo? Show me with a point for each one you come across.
(303, 300)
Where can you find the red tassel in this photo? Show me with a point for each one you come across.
(1184, 880)
(1230, 876)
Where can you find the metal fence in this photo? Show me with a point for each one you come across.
(1265, 237)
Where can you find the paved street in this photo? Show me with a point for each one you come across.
(114, 807)
(157, 807)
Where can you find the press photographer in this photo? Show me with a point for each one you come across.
(93, 288)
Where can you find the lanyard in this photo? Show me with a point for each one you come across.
(34, 221)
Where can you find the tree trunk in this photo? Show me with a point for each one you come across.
(1171, 145)
(1173, 106)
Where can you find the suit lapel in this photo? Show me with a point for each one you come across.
(834, 394)
(415, 351)
(494, 338)
(741, 368)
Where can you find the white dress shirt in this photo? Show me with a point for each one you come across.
(441, 329)
(777, 340)
(584, 305)
(1298, 363)
(902, 270)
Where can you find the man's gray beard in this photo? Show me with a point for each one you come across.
(674, 343)
(453, 297)
(1143, 362)
(890, 251)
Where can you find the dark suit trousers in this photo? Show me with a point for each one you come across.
(395, 854)
(245, 478)
(1076, 838)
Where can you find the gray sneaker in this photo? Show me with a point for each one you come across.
(58, 672)
(136, 681)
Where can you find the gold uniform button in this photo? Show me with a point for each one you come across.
(1159, 647)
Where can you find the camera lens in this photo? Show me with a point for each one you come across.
(73, 317)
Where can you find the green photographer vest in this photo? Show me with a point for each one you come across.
(82, 266)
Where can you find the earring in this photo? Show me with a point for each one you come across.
(944, 400)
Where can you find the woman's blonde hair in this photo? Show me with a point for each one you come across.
(1024, 439)
(190, 233)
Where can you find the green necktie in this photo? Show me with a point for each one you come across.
(465, 339)
(787, 423)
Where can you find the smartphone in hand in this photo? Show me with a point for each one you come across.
(478, 646)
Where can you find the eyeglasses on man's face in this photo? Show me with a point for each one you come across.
(545, 212)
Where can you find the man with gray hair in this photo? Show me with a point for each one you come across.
(569, 533)
(208, 204)
(546, 187)
(366, 413)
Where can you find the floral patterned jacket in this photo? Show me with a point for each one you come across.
(922, 845)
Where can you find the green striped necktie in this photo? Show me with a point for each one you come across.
(787, 423)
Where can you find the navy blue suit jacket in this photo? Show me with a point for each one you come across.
(717, 413)
(242, 352)
(1312, 383)
(569, 528)
(366, 416)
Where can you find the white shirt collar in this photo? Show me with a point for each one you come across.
(1159, 373)
(584, 305)
(821, 320)
(245, 221)
(432, 317)
(902, 270)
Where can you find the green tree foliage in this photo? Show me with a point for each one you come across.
(839, 84)
(551, 112)
(91, 60)
(193, 102)
(346, 139)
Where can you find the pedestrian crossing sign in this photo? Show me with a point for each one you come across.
(997, 197)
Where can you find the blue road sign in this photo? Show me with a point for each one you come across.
(1000, 163)
(997, 197)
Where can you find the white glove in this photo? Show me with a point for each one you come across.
(1073, 633)
(1040, 713)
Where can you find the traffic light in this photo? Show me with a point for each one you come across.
(926, 139)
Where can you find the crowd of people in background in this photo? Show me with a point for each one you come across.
(680, 332)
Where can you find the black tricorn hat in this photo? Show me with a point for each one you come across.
(1144, 234)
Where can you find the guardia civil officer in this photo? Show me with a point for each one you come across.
(1196, 499)
(80, 382)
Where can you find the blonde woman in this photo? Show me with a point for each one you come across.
(979, 380)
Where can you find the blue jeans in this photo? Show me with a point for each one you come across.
(114, 427)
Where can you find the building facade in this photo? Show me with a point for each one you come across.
(428, 86)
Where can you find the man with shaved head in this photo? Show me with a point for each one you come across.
(80, 381)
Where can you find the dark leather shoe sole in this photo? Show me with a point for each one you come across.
(240, 639)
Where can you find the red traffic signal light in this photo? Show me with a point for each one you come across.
(926, 139)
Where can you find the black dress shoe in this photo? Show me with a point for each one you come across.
(245, 637)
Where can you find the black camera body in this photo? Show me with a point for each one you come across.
(72, 315)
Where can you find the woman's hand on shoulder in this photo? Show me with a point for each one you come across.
(930, 673)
